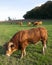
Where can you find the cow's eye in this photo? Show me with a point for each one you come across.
(12, 45)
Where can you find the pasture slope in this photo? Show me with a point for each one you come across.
(34, 52)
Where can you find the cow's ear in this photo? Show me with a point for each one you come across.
(12, 45)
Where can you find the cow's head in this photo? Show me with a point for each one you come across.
(10, 48)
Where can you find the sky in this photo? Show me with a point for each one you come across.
(15, 9)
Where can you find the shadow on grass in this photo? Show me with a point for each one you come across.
(2, 51)
(17, 54)
(34, 50)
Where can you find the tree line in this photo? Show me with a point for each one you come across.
(42, 12)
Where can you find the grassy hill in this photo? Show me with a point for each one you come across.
(34, 52)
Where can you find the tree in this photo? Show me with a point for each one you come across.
(9, 19)
(42, 12)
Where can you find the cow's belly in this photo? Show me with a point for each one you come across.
(34, 41)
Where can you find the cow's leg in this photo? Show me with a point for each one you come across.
(23, 52)
(44, 46)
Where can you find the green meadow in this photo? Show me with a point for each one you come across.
(34, 52)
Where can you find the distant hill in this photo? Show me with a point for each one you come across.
(42, 12)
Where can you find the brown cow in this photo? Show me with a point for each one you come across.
(29, 23)
(20, 23)
(22, 38)
(37, 23)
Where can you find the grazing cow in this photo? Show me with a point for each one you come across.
(37, 23)
(22, 38)
(20, 23)
(29, 23)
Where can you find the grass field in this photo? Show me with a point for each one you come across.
(34, 53)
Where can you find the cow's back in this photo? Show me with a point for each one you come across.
(33, 35)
